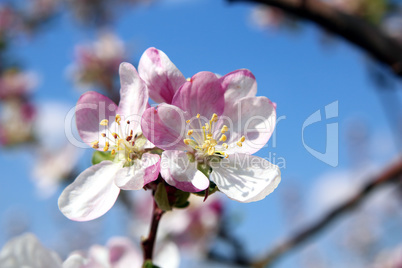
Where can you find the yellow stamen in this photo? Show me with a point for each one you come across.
(239, 144)
(225, 145)
(187, 141)
(118, 119)
(113, 152)
(223, 138)
(209, 136)
(188, 121)
(189, 79)
(190, 132)
(104, 122)
(106, 146)
(213, 142)
(214, 118)
(242, 139)
(95, 144)
(224, 129)
(103, 134)
(198, 115)
(120, 141)
(211, 150)
(206, 126)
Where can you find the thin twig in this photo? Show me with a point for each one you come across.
(352, 28)
(149, 243)
(392, 174)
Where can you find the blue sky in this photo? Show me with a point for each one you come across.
(294, 69)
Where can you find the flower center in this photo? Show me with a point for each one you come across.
(204, 142)
(124, 143)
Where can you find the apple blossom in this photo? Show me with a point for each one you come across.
(116, 129)
(120, 252)
(26, 251)
(209, 132)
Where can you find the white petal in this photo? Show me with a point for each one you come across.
(75, 260)
(92, 193)
(143, 171)
(27, 251)
(179, 172)
(252, 117)
(133, 95)
(245, 178)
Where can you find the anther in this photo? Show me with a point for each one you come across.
(224, 129)
(188, 121)
(187, 141)
(211, 150)
(190, 132)
(95, 144)
(214, 117)
(114, 134)
(128, 138)
(113, 152)
(225, 145)
(239, 144)
(128, 122)
(103, 135)
(198, 115)
(242, 139)
(118, 119)
(106, 147)
(223, 138)
(104, 122)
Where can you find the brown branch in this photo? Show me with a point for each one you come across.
(148, 243)
(352, 28)
(392, 174)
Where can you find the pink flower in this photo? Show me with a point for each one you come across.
(108, 127)
(210, 130)
(121, 253)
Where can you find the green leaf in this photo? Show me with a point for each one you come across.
(149, 264)
(181, 199)
(98, 157)
(161, 197)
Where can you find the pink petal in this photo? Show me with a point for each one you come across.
(245, 178)
(239, 84)
(92, 193)
(252, 117)
(133, 95)
(178, 171)
(142, 171)
(165, 126)
(123, 254)
(91, 108)
(160, 74)
(202, 95)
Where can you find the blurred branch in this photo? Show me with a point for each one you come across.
(391, 174)
(352, 28)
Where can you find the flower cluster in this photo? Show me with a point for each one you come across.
(97, 63)
(198, 139)
(17, 111)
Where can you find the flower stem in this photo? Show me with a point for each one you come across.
(148, 243)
